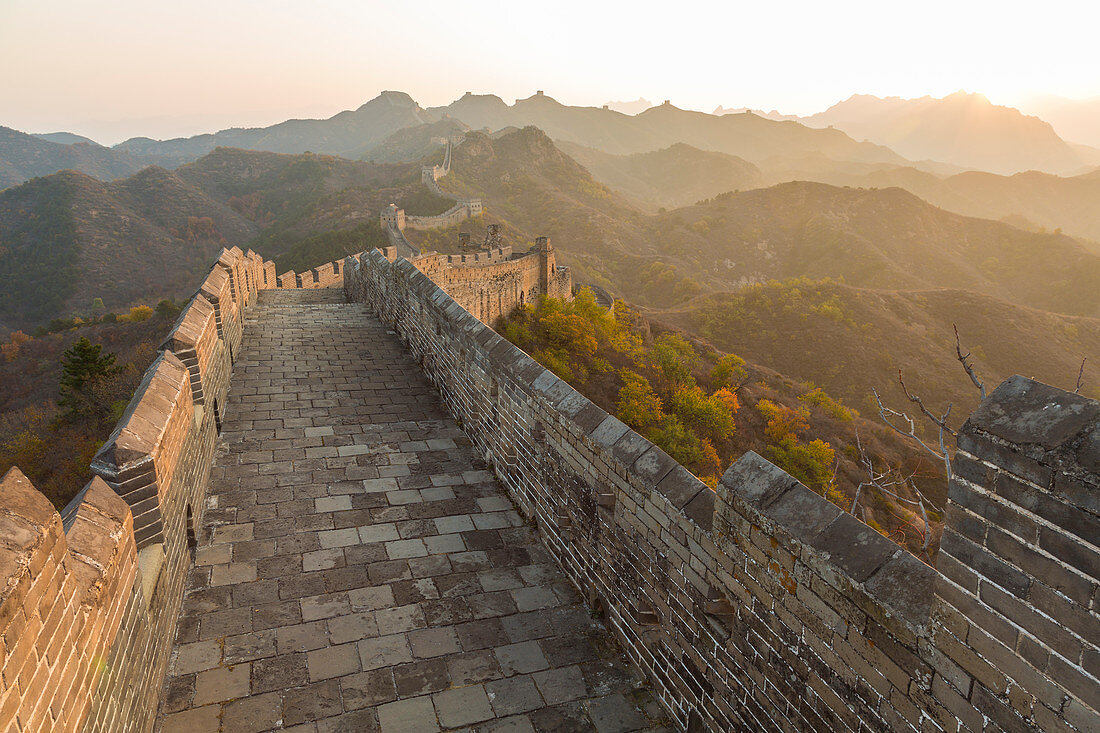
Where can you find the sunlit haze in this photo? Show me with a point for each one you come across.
(119, 69)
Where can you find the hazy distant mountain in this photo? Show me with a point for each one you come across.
(1071, 204)
(1075, 120)
(348, 134)
(641, 104)
(773, 115)
(675, 176)
(68, 238)
(963, 129)
(24, 156)
(885, 238)
(414, 143)
(747, 136)
(850, 340)
(65, 138)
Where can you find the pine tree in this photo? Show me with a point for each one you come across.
(82, 366)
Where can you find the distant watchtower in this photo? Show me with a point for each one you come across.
(547, 264)
(392, 217)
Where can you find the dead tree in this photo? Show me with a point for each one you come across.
(889, 484)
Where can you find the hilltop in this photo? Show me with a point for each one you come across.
(348, 134)
(415, 143)
(67, 238)
(746, 136)
(675, 176)
(24, 156)
(850, 340)
(1071, 204)
(885, 238)
(963, 129)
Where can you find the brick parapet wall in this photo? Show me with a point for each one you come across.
(141, 455)
(759, 607)
(63, 599)
(90, 599)
(1020, 558)
(458, 213)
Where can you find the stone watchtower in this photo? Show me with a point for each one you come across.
(392, 217)
(547, 265)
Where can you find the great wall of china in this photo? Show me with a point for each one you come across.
(335, 557)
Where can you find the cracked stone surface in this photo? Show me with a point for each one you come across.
(359, 570)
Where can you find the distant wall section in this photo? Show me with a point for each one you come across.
(492, 283)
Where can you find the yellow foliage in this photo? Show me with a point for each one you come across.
(140, 313)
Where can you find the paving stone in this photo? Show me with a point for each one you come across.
(511, 724)
(514, 695)
(463, 706)
(311, 702)
(414, 715)
(401, 618)
(352, 628)
(421, 677)
(301, 637)
(615, 714)
(522, 658)
(332, 503)
(384, 532)
(323, 559)
(402, 549)
(385, 651)
(483, 634)
(178, 693)
(368, 688)
(369, 599)
(333, 661)
(433, 642)
(279, 673)
(444, 543)
(324, 607)
(196, 719)
(562, 684)
(223, 683)
(338, 537)
(253, 714)
(247, 647)
(196, 657)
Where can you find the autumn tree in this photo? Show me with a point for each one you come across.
(811, 463)
(728, 373)
(638, 405)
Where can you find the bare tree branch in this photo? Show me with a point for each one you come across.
(887, 414)
(940, 422)
(1080, 377)
(966, 364)
(890, 483)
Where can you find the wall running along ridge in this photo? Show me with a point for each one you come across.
(762, 606)
(90, 596)
(490, 285)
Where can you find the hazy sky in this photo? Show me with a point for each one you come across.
(116, 68)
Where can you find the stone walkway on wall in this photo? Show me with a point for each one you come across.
(358, 569)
